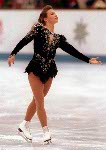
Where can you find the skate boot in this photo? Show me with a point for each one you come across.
(46, 135)
(24, 131)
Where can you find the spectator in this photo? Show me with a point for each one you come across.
(73, 4)
(99, 4)
(27, 4)
(38, 3)
(5, 3)
(1, 3)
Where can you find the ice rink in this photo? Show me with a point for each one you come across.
(75, 105)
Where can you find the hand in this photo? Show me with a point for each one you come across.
(94, 61)
(11, 60)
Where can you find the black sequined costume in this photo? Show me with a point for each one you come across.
(43, 63)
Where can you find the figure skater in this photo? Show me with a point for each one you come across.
(42, 68)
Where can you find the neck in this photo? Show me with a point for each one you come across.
(50, 27)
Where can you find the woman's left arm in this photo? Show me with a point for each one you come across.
(65, 46)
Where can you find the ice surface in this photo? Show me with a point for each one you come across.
(75, 105)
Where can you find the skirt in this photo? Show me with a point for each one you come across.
(35, 67)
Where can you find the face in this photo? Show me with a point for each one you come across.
(51, 17)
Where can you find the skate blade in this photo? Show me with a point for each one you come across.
(47, 142)
(23, 136)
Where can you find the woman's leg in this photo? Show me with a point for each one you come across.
(47, 86)
(37, 88)
(31, 110)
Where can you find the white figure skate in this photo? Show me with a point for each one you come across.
(24, 131)
(46, 136)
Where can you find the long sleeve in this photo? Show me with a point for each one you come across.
(65, 46)
(27, 39)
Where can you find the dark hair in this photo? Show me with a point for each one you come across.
(43, 14)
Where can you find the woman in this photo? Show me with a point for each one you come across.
(42, 68)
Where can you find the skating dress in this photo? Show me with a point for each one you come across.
(43, 62)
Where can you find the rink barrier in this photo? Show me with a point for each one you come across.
(58, 58)
(85, 30)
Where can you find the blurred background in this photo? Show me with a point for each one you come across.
(81, 21)
(64, 4)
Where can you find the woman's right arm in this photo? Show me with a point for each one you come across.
(27, 39)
